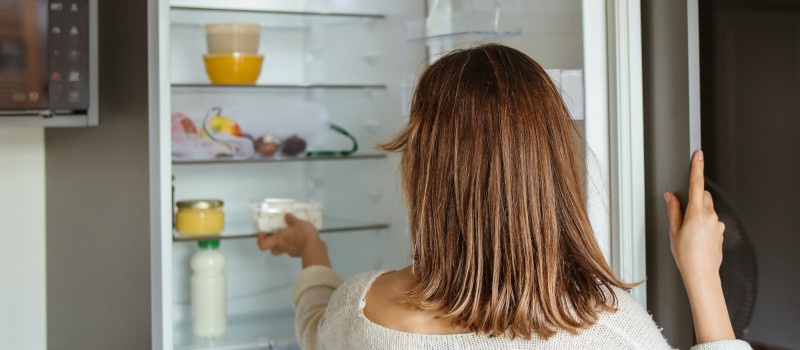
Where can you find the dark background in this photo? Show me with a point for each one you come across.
(750, 92)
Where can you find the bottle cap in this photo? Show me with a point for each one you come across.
(209, 244)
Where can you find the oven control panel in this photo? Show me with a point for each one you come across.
(68, 56)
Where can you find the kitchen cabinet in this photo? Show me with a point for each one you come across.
(359, 60)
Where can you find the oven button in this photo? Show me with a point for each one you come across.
(74, 76)
(56, 6)
(55, 76)
(56, 88)
(33, 96)
(73, 35)
(73, 7)
(74, 96)
(18, 97)
(56, 30)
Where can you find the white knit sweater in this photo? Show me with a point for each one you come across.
(330, 316)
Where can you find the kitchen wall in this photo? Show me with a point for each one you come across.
(22, 263)
(98, 205)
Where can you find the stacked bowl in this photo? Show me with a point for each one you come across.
(233, 56)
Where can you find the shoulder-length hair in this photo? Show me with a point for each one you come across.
(502, 243)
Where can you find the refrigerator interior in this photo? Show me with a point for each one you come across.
(358, 59)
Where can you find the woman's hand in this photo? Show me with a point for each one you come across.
(696, 241)
(696, 238)
(299, 239)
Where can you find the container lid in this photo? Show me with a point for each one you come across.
(200, 204)
(209, 244)
(232, 27)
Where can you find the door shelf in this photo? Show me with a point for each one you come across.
(242, 227)
(270, 330)
(215, 87)
(279, 159)
(198, 16)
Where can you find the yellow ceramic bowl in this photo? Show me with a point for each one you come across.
(235, 68)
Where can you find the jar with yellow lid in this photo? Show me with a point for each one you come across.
(199, 218)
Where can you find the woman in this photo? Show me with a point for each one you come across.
(503, 253)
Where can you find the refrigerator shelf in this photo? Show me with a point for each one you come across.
(280, 159)
(452, 18)
(268, 19)
(207, 86)
(465, 23)
(268, 331)
(241, 227)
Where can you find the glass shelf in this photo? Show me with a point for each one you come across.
(206, 86)
(279, 159)
(270, 330)
(197, 16)
(466, 23)
(242, 227)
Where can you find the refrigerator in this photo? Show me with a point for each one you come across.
(355, 64)
(117, 274)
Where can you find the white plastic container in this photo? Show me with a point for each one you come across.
(268, 214)
(209, 317)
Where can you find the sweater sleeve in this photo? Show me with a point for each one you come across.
(312, 292)
(733, 344)
(636, 325)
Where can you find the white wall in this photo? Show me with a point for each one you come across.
(22, 263)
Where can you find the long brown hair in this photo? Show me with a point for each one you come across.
(501, 238)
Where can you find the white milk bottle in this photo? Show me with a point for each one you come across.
(208, 291)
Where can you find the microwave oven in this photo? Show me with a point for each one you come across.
(48, 63)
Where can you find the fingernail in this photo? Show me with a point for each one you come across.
(666, 197)
(700, 155)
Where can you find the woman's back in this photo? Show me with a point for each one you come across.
(344, 324)
(385, 305)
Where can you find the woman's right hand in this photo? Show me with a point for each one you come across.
(298, 239)
(696, 241)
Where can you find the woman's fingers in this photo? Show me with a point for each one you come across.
(273, 243)
(674, 211)
(267, 242)
(260, 240)
(708, 201)
(290, 219)
(277, 250)
(697, 181)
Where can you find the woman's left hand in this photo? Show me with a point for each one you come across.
(696, 240)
